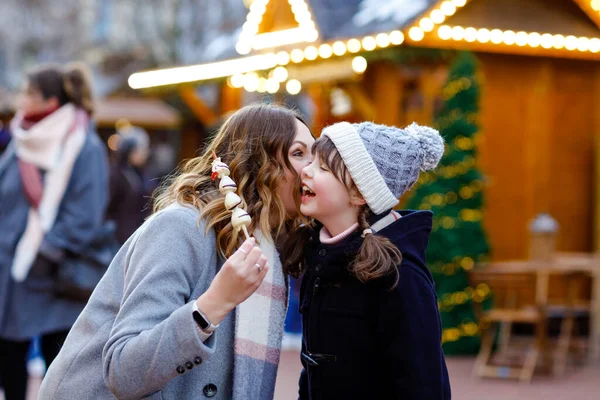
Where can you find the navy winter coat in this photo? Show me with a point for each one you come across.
(365, 341)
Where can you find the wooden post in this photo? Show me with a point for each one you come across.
(432, 82)
(537, 128)
(361, 101)
(207, 116)
(595, 313)
(388, 93)
(596, 116)
(231, 99)
(319, 95)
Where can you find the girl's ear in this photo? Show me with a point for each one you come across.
(356, 199)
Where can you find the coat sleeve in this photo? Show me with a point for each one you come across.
(410, 336)
(82, 209)
(154, 334)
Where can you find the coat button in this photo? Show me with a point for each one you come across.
(210, 390)
(322, 252)
(189, 365)
(318, 267)
(198, 360)
(180, 369)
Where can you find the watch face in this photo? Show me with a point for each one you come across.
(202, 323)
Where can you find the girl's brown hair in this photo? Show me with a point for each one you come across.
(69, 84)
(377, 256)
(253, 142)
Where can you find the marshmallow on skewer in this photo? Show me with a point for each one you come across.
(227, 185)
(240, 220)
(232, 200)
(219, 169)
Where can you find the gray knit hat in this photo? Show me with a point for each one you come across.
(385, 161)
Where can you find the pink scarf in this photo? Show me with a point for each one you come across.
(52, 145)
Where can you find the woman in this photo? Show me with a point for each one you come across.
(127, 184)
(166, 321)
(53, 185)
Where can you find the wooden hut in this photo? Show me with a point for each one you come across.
(541, 88)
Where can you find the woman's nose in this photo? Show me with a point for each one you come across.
(310, 159)
(306, 171)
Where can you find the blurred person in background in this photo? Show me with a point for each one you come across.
(128, 187)
(53, 193)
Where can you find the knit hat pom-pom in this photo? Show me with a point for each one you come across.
(431, 143)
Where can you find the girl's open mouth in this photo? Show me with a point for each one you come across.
(307, 193)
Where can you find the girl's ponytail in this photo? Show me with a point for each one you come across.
(76, 83)
(377, 256)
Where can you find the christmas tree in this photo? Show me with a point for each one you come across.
(454, 193)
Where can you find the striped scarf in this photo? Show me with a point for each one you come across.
(259, 330)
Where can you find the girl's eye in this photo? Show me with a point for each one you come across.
(324, 169)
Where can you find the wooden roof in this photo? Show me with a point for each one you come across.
(143, 112)
(563, 17)
(547, 28)
(555, 20)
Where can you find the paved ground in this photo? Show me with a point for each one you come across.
(578, 383)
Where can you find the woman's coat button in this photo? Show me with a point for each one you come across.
(180, 369)
(210, 390)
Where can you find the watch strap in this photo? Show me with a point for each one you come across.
(202, 321)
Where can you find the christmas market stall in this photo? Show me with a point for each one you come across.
(512, 85)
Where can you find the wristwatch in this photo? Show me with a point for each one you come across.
(203, 322)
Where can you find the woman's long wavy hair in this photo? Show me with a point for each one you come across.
(254, 142)
(377, 256)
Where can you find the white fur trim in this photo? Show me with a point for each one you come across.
(362, 169)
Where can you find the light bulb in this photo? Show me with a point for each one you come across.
(293, 86)
(359, 64)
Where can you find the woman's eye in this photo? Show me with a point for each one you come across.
(298, 153)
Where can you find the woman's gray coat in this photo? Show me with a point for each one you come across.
(137, 338)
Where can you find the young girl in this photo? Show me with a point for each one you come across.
(183, 311)
(371, 326)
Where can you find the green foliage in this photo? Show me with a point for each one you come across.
(454, 192)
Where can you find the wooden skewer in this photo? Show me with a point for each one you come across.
(245, 231)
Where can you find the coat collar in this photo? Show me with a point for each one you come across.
(410, 234)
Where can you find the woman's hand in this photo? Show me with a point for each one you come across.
(239, 277)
